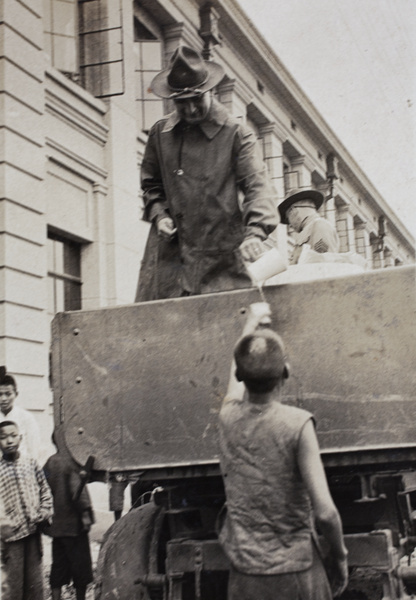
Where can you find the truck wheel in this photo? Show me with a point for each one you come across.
(125, 553)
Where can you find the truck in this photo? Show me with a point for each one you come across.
(139, 388)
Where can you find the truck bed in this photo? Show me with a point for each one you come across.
(140, 386)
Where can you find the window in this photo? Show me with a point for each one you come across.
(84, 40)
(101, 47)
(64, 273)
(61, 34)
(148, 57)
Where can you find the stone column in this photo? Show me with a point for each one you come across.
(377, 255)
(388, 258)
(345, 228)
(95, 259)
(273, 155)
(123, 227)
(235, 98)
(329, 211)
(304, 170)
(362, 241)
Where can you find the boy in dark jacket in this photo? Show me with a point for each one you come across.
(72, 520)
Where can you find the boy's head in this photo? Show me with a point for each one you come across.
(8, 392)
(261, 362)
(10, 438)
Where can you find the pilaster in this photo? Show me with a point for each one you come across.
(345, 228)
(388, 258)
(377, 253)
(234, 97)
(362, 240)
(273, 157)
(122, 213)
(300, 164)
(23, 264)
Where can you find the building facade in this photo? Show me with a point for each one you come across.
(75, 112)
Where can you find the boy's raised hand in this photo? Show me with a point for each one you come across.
(258, 315)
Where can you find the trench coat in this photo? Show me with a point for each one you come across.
(211, 180)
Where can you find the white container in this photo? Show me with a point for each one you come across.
(269, 264)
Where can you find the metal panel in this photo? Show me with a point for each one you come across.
(141, 386)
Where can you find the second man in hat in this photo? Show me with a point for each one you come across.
(299, 209)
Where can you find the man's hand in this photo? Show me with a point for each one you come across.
(166, 228)
(252, 248)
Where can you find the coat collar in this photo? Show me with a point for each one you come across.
(214, 121)
(302, 237)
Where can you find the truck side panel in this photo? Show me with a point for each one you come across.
(141, 386)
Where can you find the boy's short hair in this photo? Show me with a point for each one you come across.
(8, 380)
(260, 360)
(4, 424)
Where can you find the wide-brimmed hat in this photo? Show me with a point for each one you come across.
(294, 196)
(187, 75)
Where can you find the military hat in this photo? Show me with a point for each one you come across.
(294, 196)
(188, 75)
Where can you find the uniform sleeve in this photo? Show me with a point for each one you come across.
(324, 237)
(155, 205)
(260, 214)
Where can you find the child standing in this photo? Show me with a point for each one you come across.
(73, 517)
(27, 504)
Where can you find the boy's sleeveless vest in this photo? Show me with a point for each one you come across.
(268, 525)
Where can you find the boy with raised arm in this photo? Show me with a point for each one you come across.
(276, 488)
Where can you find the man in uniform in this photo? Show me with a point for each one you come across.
(299, 209)
(197, 160)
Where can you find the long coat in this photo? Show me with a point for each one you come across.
(210, 179)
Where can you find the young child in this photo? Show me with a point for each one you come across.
(274, 481)
(72, 519)
(26, 422)
(27, 502)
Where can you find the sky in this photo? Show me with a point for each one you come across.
(356, 62)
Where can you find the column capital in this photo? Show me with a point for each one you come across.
(343, 209)
(100, 188)
(233, 86)
(273, 128)
(174, 32)
(304, 161)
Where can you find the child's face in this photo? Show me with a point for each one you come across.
(7, 398)
(9, 440)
